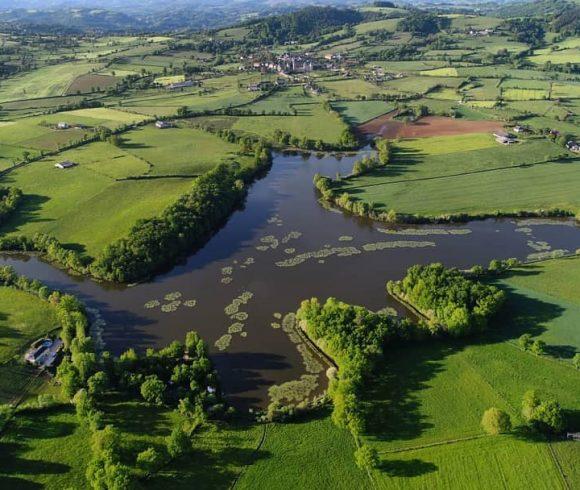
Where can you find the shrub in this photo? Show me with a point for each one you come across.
(149, 460)
(525, 341)
(543, 415)
(178, 443)
(366, 457)
(538, 347)
(152, 390)
(495, 421)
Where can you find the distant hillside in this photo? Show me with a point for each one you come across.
(305, 24)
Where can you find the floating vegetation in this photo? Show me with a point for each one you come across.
(241, 316)
(271, 240)
(425, 231)
(297, 390)
(234, 306)
(319, 254)
(539, 246)
(249, 261)
(373, 247)
(223, 342)
(190, 303)
(309, 359)
(345, 238)
(554, 254)
(388, 310)
(262, 248)
(544, 221)
(236, 327)
(278, 316)
(227, 280)
(154, 303)
(289, 327)
(289, 251)
(525, 230)
(275, 220)
(96, 328)
(244, 334)
(170, 307)
(321, 261)
(172, 296)
(293, 235)
(226, 271)
(275, 325)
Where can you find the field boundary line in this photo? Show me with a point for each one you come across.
(251, 458)
(433, 444)
(461, 174)
(558, 466)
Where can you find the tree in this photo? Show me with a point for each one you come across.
(366, 457)
(545, 415)
(538, 347)
(495, 421)
(68, 377)
(178, 443)
(149, 460)
(83, 404)
(152, 390)
(98, 383)
(525, 341)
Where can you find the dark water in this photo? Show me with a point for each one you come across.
(281, 203)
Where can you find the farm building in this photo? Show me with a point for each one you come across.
(163, 124)
(43, 352)
(62, 125)
(573, 146)
(64, 165)
(180, 85)
(504, 138)
(573, 436)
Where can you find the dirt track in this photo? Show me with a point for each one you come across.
(387, 127)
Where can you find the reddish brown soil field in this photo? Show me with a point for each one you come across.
(387, 127)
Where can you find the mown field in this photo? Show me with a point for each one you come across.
(355, 113)
(471, 174)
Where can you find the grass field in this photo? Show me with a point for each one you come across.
(43, 82)
(314, 122)
(179, 151)
(23, 319)
(45, 450)
(470, 174)
(361, 111)
(555, 284)
(305, 454)
(75, 204)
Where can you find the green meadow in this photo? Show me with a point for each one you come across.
(358, 112)
(470, 174)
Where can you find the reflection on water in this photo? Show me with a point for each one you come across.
(236, 290)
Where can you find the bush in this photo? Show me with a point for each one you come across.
(366, 457)
(178, 443)
(495, 421)
(544, 415)
(538, 347)
(525, 341)
(149, 460)
(152, 390)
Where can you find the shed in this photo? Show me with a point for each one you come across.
(66, 164)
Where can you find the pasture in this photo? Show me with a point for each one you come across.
(358, 112)
(179, 151)
(74, 205)
(470, 174)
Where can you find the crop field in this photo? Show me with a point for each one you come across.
(43, 82)
(524, 94)
(358, 112)
(470, 174)
(434, 126)
(75, 204)
(179, 151)
(90, 83)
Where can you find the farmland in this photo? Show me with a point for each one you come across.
(193, 188)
